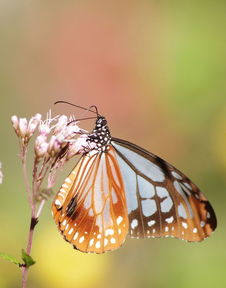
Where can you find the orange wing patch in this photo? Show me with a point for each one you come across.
(91, 210)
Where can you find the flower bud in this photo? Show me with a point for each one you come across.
(15, 122)
(41, 146)
(61, 124)
(44, 129)
(33, 123)
(51, 144)
(23, 127)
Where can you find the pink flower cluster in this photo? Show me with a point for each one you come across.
(53, 134)
(56, 140)
(24, 128)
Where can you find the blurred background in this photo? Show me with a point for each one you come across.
(156, 70)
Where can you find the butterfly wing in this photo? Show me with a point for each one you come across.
(161, 200)
(90, 208)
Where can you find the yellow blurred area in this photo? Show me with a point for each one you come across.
(219, 139)
(156, 70)
(53, 254)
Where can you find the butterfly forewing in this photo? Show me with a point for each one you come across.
(92, 213)
(161, 201)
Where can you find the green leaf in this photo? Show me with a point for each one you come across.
(28, 260)
(10, 258)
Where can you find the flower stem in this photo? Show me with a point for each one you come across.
(34, 219)
(33, 223)
(26, 181)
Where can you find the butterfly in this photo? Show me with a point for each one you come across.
(118, 188)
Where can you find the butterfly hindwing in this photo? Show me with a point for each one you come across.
(161, 200)
(91, 212)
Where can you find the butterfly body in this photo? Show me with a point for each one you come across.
(100, 135)
(119, 189)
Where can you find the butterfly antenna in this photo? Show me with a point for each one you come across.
(80, 119)
(65, 102)
(95, 107)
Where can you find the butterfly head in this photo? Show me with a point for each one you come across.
(100, 135)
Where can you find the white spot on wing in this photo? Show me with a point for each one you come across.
(75, 236)
(105, 242)
(202, 223)
(70, 231)
(113, 241)
(98, 244)
(68, 180)
(91, 242)
(150, 223)
(119, 219)
(109, 232)
(57, 202)
(134, 223)
(170, 219)
(81, 239)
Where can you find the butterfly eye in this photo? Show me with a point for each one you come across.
(101, 121)
(104, 122)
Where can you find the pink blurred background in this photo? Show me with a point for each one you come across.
(156, 70)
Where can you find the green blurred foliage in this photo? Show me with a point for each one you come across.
(157, 64)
